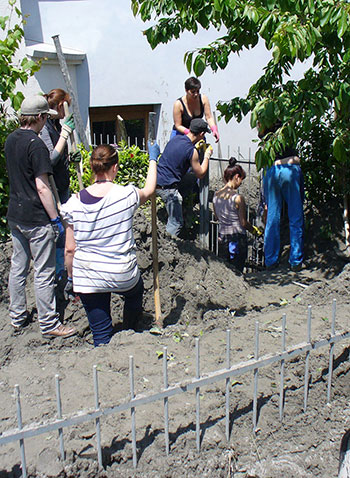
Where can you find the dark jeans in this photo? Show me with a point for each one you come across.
(234, 248)
(98, 309)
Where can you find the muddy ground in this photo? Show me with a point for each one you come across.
(201, 296)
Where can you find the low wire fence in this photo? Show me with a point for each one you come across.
(194, 385)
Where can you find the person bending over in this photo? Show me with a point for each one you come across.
(180, 154)
(100, 247)
(230, 210)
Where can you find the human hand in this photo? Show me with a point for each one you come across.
(57, 227)
(257, 232)
(68, 127)
(75, 157)
(153, 150)
(68, 289)
(208, 151)
(215, 131)
(200, 145)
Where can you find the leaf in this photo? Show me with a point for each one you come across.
(159, 353)
(188, 61)
(339, 151)
(283, 302)
(199, 65)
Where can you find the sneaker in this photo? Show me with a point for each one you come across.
(61, 331)
(272, 266)
(296, 267)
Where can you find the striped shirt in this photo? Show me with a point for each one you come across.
(105, 253)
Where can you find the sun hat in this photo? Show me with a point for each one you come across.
(36, 105)
(198, 125)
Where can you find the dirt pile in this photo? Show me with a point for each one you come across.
(201, 296)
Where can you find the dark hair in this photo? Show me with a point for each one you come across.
(28, 120)
(192, 84)
(103, 157)
(57, 96)
(232, 169)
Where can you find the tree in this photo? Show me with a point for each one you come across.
(12, 72)
(292, 30)
(312, 111)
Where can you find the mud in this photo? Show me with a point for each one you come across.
(201, 297)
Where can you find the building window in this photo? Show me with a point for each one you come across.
(105, 127)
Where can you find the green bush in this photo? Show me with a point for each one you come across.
(133, 167)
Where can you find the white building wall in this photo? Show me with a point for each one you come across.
(121, 68)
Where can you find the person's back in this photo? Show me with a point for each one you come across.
(175, 160)
(226, 212)
(105, 255)
(26, 158)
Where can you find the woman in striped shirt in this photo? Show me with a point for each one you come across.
(100, 248)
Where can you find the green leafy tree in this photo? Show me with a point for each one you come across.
(292, 30)
(12, 72)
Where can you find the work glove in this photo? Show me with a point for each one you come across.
(215, 131)
(68, 289)
(200, 146)
(208, 151)
(75, 157)
(68, 127)
(57, 227)
(257, 232)
(153, 150)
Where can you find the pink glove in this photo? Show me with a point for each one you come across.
(215, 131)
(186, 131)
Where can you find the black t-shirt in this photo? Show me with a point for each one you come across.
(27, 157)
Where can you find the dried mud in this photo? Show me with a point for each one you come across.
(201, 296)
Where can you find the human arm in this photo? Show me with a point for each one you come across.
(56, 150)
(177, 115)
(69, 250)
(209, 117)
(242, 213)
(45, 194)
(199, 169)
(151, 179)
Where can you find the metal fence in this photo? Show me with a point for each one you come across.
(194, 385)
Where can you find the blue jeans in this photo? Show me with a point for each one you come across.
(173, 203)
(284, 182)
(98, 309)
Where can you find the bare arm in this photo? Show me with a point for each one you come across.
(200, 170)
(151, 182)
(209, 117)
(45, 195)
(177, 115)
(242, 213)
(69, 250)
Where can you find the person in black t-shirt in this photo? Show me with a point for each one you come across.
(33, 220)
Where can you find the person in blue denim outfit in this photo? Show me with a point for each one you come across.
(284, 181)
(180, 154)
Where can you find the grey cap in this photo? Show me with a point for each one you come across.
(35, 105)
(198, 125)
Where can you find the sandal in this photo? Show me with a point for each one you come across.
(61, 331)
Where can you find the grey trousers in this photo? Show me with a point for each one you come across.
(37, 243)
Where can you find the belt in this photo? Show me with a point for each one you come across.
(168, 186)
